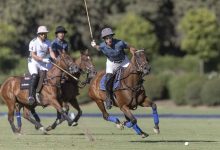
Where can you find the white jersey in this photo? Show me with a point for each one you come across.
(40, 47)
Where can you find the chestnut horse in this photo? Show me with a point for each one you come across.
(129, 95)
(70, 88)
(12, 94)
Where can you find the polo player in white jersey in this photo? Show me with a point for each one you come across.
(39, 48)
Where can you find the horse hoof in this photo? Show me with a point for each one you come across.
(74, 124)
(144, 135)
(36, 127)
(120, 126)
(43, 130)
(17, 133)
(48, 128)
(156, 130)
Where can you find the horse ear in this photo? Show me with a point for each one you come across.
(86, 51)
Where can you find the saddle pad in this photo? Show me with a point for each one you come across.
(25, 82)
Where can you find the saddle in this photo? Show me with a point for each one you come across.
(116, 83)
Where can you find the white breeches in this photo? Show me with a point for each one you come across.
(112, 66)
(34, 66)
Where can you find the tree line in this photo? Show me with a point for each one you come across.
(163, 27)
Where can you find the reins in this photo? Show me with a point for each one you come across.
(53, 77)
(65, 71)
(81, 84)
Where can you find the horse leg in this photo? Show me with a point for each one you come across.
(60, 110)
(18, 116)
(132, 121)
(38, 125)
(11, 117)
(59, 118)
(36, 117)
(107, 117)
(58, 121)
(148, 103)
(74, 103)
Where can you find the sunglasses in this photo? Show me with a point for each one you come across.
(43, 34)
(108, 37)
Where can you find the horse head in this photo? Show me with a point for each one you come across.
(86, 65)
(66, 62)
(141, 62)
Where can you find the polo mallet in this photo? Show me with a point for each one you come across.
(87, 13)
(65, 71)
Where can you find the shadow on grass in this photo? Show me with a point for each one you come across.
(175, 141)
(82, 134)
(51, 134)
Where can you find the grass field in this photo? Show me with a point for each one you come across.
(202, 134)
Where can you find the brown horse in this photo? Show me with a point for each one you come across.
(12, 94)
(129, 95)
(70, 88)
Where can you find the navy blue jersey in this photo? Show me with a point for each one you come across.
(58, 45)
(115, 53)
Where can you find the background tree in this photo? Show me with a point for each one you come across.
(8, 60)
(138, 32)
(160, 14)
(200, 34)
(27, 15)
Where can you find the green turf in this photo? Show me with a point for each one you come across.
(97, 134)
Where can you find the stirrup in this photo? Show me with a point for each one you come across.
(38, 97)
(31, 100)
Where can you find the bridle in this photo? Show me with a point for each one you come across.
(139, 64)
(88, 69)
(66, 63)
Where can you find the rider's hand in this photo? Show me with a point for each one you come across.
(132, 50)
(93, 43)
(46, 60)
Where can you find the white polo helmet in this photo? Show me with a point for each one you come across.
(42, 29)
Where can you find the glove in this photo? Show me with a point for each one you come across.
(93, 43)
(46, 60)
